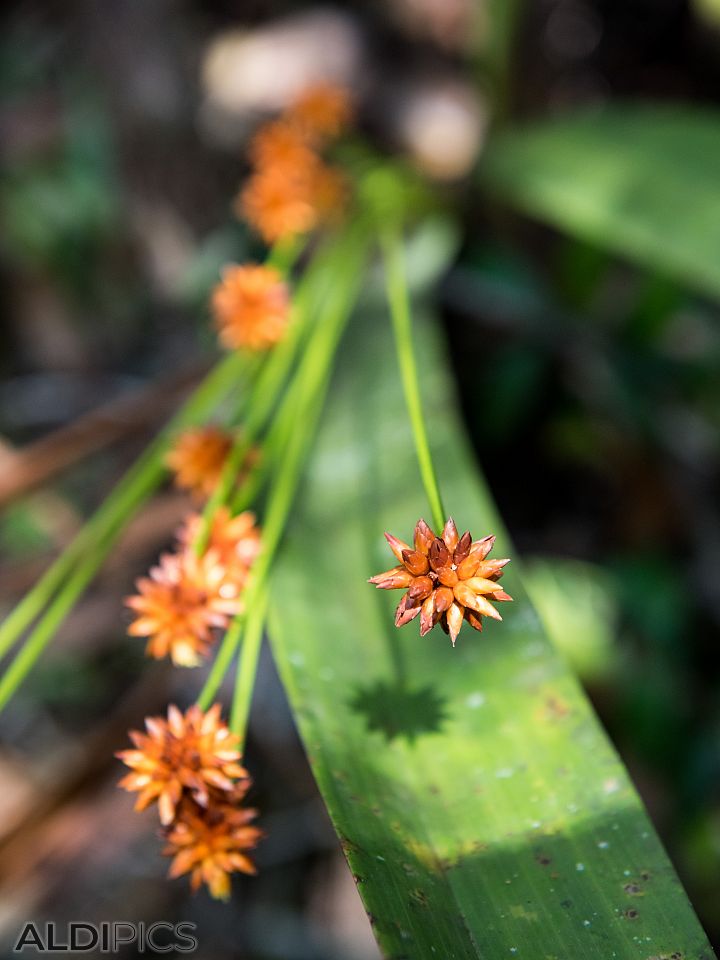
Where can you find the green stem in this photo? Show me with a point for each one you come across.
(221, 663)
(284, 254)
(223, 491)
(300, 419)
(138, 483)
(147, 471)
(66, 580)
(399, 302)
(247, 666)
(263, 398)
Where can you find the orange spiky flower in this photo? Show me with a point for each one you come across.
(194, 752)
(277, 203)
(281, 146)
(447, 578)
(321, 112)
(197, 458)
(181, 604)
(235, 541)
(291, 190)
(251, 306)
(211, 843)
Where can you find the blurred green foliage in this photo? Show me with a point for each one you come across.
(641, 180)
(58, 206)
(576, 602)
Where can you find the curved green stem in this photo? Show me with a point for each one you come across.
(399, 302)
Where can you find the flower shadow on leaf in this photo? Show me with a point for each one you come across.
(396, 710)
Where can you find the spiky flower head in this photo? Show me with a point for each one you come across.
(235, 541)
(281, 203)
(251, 306)
(192, 753)
(448, 579)
(281, 146)
(211, 843)
(197, 458)
(277, 203)
(181, 604)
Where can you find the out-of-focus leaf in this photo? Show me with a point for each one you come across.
(709, 10)
(576, 604)
(56, 206)
(641, 181)
(20, 533)
(482, 810)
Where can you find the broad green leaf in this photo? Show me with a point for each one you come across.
(641, 181)
(481, 808)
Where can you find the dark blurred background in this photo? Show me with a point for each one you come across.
(590, 389)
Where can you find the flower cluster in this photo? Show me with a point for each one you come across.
(187, 599)
(189, 764)
(448, 579)
(292, 189)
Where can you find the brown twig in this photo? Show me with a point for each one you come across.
(28, 468)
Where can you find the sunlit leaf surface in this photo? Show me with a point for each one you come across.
(481, 808)
(642, 181)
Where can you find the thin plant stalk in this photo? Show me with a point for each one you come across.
(264, 397)
(68, 576)
(247, 666)
(399, 302)
(137, 484)
(103, 530)
(310, 388)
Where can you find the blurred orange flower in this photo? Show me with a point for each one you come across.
(321, 112)
(277, 204)
(235, 541)
(251, 307)
(281, 146)
(197, 458)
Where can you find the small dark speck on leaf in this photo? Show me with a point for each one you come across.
(543, 859)
(631, 914)
(556, 708)
(348, 845)
(632, 889)
(566, 903)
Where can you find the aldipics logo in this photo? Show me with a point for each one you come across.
(107, 937)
